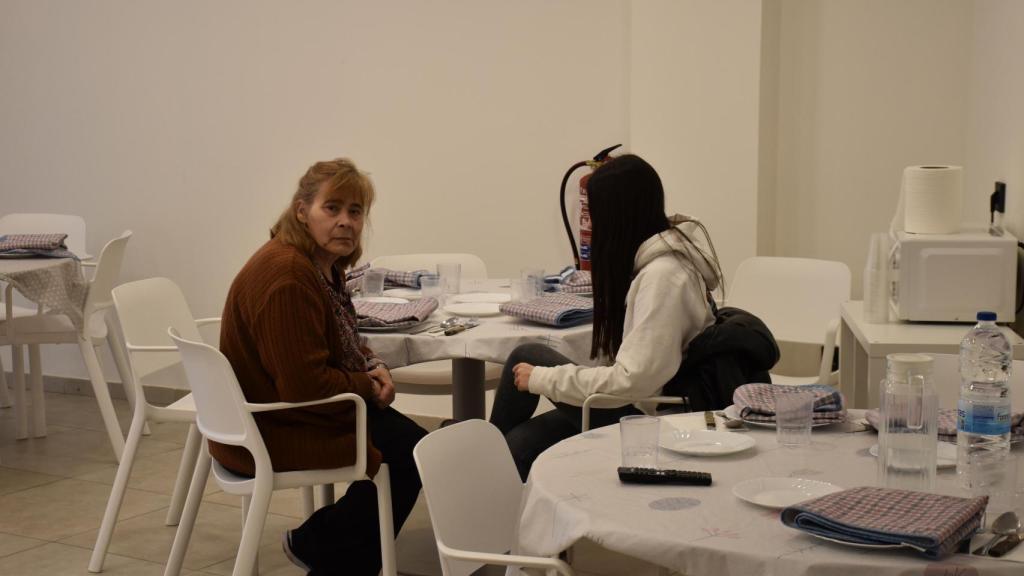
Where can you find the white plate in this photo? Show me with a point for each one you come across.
(397, 328)
(491, 297)
(706, 442)
(407, 293)
(946, 454)
(473, 309)
(781, 492)
(383, 300)
(733, 412)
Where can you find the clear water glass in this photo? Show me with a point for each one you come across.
(639, 441)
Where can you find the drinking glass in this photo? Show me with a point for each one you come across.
(793, 415)
(373, 282)
(639, 441)
(536, 276)
(451, 274)
(430, 286)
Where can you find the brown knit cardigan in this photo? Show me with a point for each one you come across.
(279, 333)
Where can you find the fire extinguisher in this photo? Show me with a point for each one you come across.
(581, 257)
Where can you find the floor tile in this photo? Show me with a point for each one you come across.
(67, 507)
(283, 502)
(214, 539)
(54, 559)
(152, 473)
(14, 480)
(11, 544)
(272, 562)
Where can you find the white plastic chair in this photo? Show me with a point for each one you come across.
(73, 226)
(223, 415)
(58, 329)
(648, 406)
(798, 299)
(434, 377)
(473, 494)
(145, 309)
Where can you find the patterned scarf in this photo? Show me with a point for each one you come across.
(352, 358)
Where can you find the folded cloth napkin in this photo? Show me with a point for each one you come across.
(33, 245)
(392, 278)
(579, 282)
(947, 424)
(756, 402)
(930, 523)
(560, 310)
(392, 315)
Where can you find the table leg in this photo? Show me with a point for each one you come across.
(875, 372)
(847, 363)
(467, 389)
(20, 401)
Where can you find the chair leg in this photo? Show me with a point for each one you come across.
(20, 402)
(188, 515)
(307, 501)
(325, 495)
(5, 397)
(99, 387)
(387, 526)
(252, 531)
(246, 501)
(35, 370)
(121, 363)
(124, 471)
(185, 469)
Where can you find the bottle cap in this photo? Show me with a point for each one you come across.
(986, 316)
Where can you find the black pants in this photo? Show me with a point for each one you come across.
(344, 537)
(512, 412)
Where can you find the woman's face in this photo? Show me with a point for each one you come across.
(334, 222)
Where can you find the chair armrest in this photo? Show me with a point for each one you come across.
(636, 401)
(87, 264)
(270, 406)
(828, 351)
(135, 348)
(506, 559)
(207, 321)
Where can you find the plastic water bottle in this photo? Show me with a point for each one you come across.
(983, 416)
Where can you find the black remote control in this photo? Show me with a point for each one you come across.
(656, 476)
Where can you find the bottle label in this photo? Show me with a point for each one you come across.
(990, 420)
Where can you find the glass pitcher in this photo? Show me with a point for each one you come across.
(908, 433)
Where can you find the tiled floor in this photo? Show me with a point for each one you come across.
(53, 492)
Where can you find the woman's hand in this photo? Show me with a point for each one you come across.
(522, 372)
(386, 391)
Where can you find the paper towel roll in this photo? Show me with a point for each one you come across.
(932, 196)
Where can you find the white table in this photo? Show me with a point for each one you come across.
(863, 347)
(492, 341)
(573, 493)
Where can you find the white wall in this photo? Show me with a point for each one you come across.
(694, 105)
(865, 89)
(190, 122)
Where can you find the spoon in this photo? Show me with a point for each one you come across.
(1004, 525)
(730, 422)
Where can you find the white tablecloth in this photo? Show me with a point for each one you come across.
(573, 492)
(492, 341)
(56, 283)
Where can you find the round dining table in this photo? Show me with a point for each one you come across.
(492, 341)
(574, 493)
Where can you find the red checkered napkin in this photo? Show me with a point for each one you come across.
(393, 315)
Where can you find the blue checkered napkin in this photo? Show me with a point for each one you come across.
(756, 402)
(34, 245)
(930, 523)
(393, 315)
(561, 310)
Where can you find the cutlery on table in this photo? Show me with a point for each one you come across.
(709, 419)
(731, 423)
(1005, 525)
(1003, 548)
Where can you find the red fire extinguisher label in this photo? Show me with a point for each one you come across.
(584, 228)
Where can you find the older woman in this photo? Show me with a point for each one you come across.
(289, 331)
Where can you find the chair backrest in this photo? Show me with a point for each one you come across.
(73, 226)
(108, 268)
(145, 309)
(472, 489)
(220, 405)
(472, 266)
(946, 378)
(795, 297)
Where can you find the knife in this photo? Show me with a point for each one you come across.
(1003, 548)
(709, 419)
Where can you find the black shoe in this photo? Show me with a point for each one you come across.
(286, 543)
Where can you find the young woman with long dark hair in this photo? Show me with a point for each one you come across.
(652, 287)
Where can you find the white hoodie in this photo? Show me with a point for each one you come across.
(666, 308)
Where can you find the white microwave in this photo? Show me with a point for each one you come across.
(951, 277)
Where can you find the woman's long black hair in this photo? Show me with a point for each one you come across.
(627, 206)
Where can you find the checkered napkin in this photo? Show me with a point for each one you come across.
(947, 424)
(756, 402)
(393, 315)
(33, 245)
(559, 310)
(392, 278)
(930, 523)
(578, 283)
